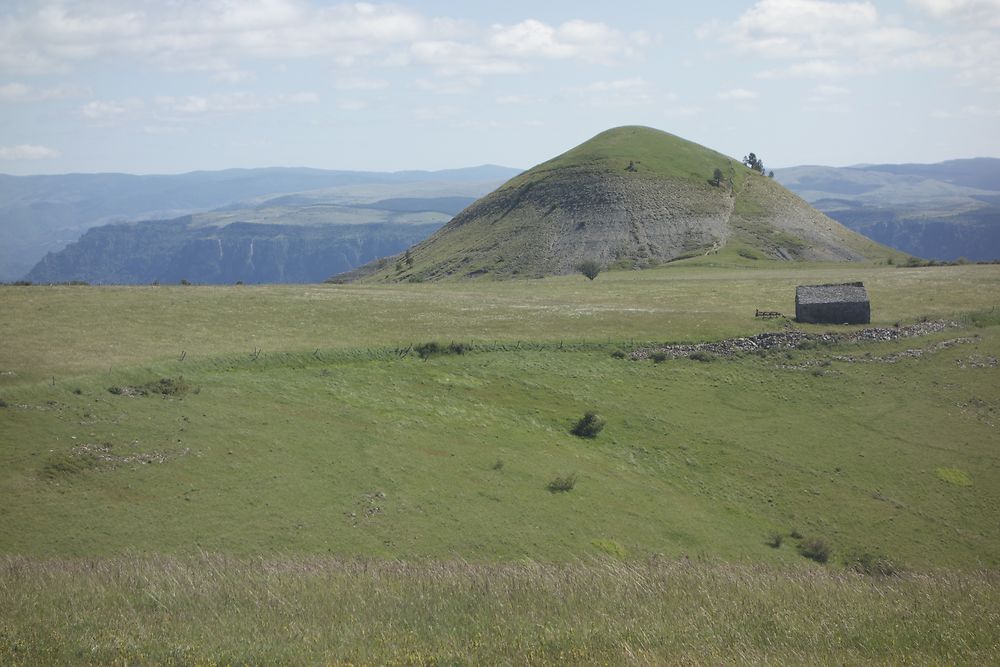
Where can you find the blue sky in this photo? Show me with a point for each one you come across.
(177, 85)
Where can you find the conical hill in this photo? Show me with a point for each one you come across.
(631, 196)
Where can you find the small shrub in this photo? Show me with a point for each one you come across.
(590, 268)
(426, 350)
(433, 348)
(659, 357)
(3, 403)
(589, 426)
(618, 354)
(168, 386)
(795, 534)
(774, 540)
(815, 549)
(78, 391)
(185, 281)
(562, 483)
(498, 465)
(872, 565)
(702, 355)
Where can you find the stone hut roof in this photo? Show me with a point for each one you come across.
(842, 293)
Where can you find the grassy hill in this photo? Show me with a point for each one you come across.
(247, 464)
(629, 197)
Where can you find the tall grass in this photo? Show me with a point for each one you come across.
(214, 610)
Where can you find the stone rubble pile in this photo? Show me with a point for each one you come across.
(792, 339)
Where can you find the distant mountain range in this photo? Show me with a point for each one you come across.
(936, 211)
(45, 214)
(941, 211)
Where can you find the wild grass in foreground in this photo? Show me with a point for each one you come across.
(213, 610)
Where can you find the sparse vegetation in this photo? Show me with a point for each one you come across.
(562, 483)
(702, 355)
(589, 426)
(872, 565)
(775, 540)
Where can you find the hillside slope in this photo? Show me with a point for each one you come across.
(634, 196)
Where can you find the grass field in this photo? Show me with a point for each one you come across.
(299, 428)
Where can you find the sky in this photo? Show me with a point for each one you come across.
(172, 86)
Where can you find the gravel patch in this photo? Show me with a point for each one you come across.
(792, 339)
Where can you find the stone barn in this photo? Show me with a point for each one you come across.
(846, 303)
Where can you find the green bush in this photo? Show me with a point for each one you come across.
(589, 426)
(815, 549)
(562, 484)
(433, 348)
(774, 540)
(618, 354)
(590, 268)
(702, 355)
(659, 357)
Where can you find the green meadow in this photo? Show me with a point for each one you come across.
(283, 462)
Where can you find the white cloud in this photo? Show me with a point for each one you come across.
(970, 111)
(973, 12)
(801, 28)
(104, 111)
(234, 76)
(27, 152)
(619, 92)
(455, 85)
(737, 95)
(828, 39)
(828, 90)
(226, 103)
(359, 83)
(201, 35)
(811, 69)
(352, 105)
(573, 39)
(517, 100)
(21, 92)
(450, 58)
(440, 112)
